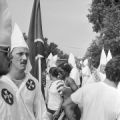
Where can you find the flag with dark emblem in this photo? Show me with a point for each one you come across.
(36, 42)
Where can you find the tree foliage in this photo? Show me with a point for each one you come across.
(105, 17)
(53, 48)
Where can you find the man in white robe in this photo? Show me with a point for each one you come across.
(25, 86)
(86, 74)
(100, 100)
(8, 106)
(75, 73)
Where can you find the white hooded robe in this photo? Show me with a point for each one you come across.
(29, 98)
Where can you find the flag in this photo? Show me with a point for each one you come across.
(35, 37)
(36, 47)
(36, 42)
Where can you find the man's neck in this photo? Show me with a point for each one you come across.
(113, 84)
(16, 74)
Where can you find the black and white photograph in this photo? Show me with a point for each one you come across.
(59, 59)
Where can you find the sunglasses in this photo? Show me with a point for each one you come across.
(5, 50)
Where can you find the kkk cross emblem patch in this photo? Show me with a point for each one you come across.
(7, 96)
(30, 84)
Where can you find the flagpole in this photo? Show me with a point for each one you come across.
(38, 57)
(39, 68)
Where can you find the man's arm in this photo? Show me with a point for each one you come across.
(72, 84)
(67, 102)
(71, 102)
(68, 107)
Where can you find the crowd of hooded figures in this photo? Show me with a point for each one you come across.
(68, 77)
(78, 77)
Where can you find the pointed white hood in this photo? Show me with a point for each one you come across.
(17, 39)
(103, 62)
(103, 58)
(71, 60)
(85, 62)
(109, 56)
(51, 61)
(49, 56)
(55, 58)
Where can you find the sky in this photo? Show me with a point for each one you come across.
(64, 22)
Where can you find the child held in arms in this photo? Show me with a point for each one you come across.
(54, 96)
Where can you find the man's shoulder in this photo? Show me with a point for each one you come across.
(92, 87)
(32, 78)
(3, 77)
(94, 84)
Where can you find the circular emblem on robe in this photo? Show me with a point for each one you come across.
(7, 96)
(30, 84)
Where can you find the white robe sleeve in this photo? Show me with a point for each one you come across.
(77, 96)
(8, 102)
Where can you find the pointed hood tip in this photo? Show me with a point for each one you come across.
(103, 58)
(71, 60)
(109, 56)
(17, 39)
